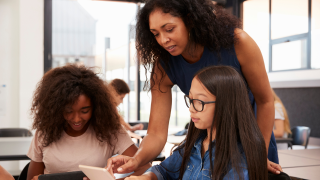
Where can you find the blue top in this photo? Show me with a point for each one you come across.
(181, 73)
(197, 167)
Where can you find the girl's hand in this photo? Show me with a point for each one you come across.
(137, 178)
(122, 164)
(273, 167)
(35, 177)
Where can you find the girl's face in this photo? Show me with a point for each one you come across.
(203, 119)
(169, 31)
(119, 98)
(78, 114)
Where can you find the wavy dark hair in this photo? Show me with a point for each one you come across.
(234, 122)
(209, 26)
(120, 86)
(62, 86)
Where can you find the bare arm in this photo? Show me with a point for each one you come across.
(253, 69)
(5, 175)
(130, 152)
(279, 128)
(159, 120)
(124, 124)
(146, 176)
(35, 169)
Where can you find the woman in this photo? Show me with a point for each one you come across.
(119, 89)
(281, 122)
(220, 110)
(176, 38)
(75, 123)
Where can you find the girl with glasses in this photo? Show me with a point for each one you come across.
(223, 140)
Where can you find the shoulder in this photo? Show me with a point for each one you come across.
(242, 39)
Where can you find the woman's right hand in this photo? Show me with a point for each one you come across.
(122, 164)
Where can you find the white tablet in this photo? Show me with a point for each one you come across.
(96, 173)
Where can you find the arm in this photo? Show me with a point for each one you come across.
(252, 66)
(253, 69)
(5, 175)
(124, 124)
(279, 128)
(130, 152)
(157, 129)
(159, 120)
(35, 169)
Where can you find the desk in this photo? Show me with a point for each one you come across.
(305, 153)
(176, 140)
(14, 148)
(283, 140)
(310, 172)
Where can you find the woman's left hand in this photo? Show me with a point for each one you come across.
(274, 167)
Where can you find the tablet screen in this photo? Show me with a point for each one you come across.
(96, 173)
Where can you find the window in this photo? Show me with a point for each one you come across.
(293, 32)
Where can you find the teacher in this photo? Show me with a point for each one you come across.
(175, 39)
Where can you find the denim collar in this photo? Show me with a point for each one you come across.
(202, 136)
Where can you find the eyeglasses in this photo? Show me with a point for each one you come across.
(197, 104)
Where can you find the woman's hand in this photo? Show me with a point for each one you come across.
(122, 164)
(274, 167)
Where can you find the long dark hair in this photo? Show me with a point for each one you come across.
(208, 25)
(62, 86)
(234, 122)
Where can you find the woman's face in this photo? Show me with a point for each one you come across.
(78, 114)
(169, 31)
(203, 119)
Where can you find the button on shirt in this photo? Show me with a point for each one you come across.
(197, 167)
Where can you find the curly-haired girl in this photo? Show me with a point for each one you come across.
(75, 123)
(175, 39)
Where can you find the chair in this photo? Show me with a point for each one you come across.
(15, 132)
(75, 175)
(300, 136)
(24, 173)
(281, 176)
(145, 124)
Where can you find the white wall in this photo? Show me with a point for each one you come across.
(9, 63)
(21, 62)
(31, 54)
(295, 79)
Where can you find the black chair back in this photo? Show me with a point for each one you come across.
(15, 132)
(281, 176)
(75, 175)
(24, 173)
(145, 124)
(300, 135)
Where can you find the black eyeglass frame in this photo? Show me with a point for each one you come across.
(191, 102)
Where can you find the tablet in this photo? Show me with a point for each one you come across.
(96, 173)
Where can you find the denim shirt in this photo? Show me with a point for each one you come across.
(197, 167)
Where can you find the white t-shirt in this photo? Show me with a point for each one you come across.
(69, 152)
(279, 115)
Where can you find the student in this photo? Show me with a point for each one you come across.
(75, 123)
(177, 38)
(281, 122)
(5, 175)
(119, 89)
(222, 128)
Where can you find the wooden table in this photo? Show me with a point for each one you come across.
(14, 148)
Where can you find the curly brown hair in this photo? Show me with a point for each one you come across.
(209, 26)
(62, 86)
